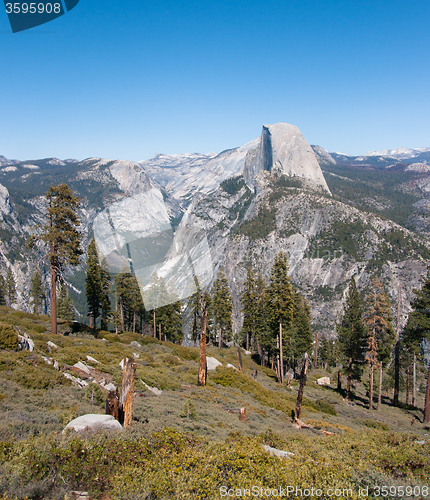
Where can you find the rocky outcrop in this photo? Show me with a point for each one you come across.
(283, 150)
(5, 206)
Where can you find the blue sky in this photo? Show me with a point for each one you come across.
(120, 79)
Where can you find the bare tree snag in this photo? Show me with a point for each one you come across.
(302, 383)
(112, 404)
(239, 356)
(380, 387)
(426, 418)
(201, 381)
(339, 380)
(127, 392)
(242, 414)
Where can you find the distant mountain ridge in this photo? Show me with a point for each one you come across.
(334, 215)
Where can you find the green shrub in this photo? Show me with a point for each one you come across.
(188, 353)
(374, 424)
(94, 394)
(8, 337)
(325, 407)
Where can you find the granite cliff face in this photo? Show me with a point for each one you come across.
(283, 150)
(334, 216)
(326, 241)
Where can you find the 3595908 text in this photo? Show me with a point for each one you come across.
(33, 8)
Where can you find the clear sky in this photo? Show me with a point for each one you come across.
(128, 79)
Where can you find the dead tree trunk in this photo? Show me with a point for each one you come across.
(339, 380)
(380, 387)
(112, 404)
(127, 392)
(155, 326)
(302, 383)
(201, 381)
(372, 370)
(242, 414)
(239, 356)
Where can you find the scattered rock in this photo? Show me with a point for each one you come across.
(154, 390)
(25, 342)
(135, 344)
(83, 367)
(92, 360)
(247, 352)
(323, 381)
(278, 453)
(75, 380)
(93, 421)
(212, 363)
(229, 365)
(51, 344)
(136, 355)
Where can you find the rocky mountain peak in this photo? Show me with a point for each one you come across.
(283, 149)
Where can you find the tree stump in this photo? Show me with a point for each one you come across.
(242, 414)
(127, 392)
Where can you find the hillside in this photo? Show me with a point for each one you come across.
(359, 447)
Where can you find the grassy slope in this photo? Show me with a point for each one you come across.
(37, 401)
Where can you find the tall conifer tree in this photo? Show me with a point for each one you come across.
(65, 308)
(61, 235)
(37, 293)
(281, 304)
(222, 306)
(249, 308)
(352, 335)
(2, 291)
(381, 335)
(10, 287)
(93, 285)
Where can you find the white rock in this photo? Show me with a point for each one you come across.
(247, 352)
(323, 381)
(135, 355)
(154, 390)
(51, 344)
(90, 358)
(93, 421)
(212, 363)
(229, 365)
(81, 366)
(75, 380)
(278, 453)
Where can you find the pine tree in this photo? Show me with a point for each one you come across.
(10, 287)
(105, 304)
(61, 235)
(352, 335)
(249, 306)
(381, 335)
(93, 286)
(65, 308)
(2, 291)
(131, 306)
(418, 329)
(37, 293)
(302, 331)
(222, 306)
(263, 335)
(281, 304)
